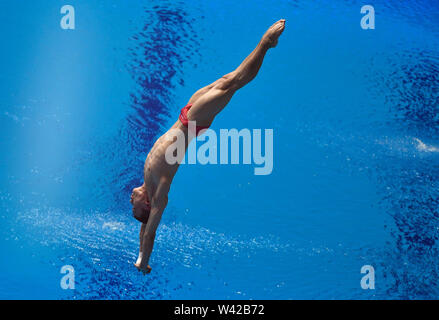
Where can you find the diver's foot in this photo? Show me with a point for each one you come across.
(272, 34)
(144, 270)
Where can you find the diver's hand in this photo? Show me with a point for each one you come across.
(144, 269)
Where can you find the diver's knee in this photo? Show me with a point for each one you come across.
(229, 81)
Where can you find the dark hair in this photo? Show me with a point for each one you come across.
(143, 216)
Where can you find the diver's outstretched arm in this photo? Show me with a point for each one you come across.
(141, 233)
(158, 204)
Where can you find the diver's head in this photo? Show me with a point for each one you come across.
(141, 205)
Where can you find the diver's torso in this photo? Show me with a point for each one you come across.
(156, 165)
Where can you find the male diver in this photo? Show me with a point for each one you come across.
(150, 199)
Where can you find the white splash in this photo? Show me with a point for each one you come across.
(113, 225)
(421, 146)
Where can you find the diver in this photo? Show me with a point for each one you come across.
(150, 199)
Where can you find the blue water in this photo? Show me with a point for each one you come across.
(355, 115)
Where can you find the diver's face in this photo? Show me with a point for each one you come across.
(137, 198)
(139, 202)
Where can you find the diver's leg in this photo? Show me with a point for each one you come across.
(209, 101)
(249, 68)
